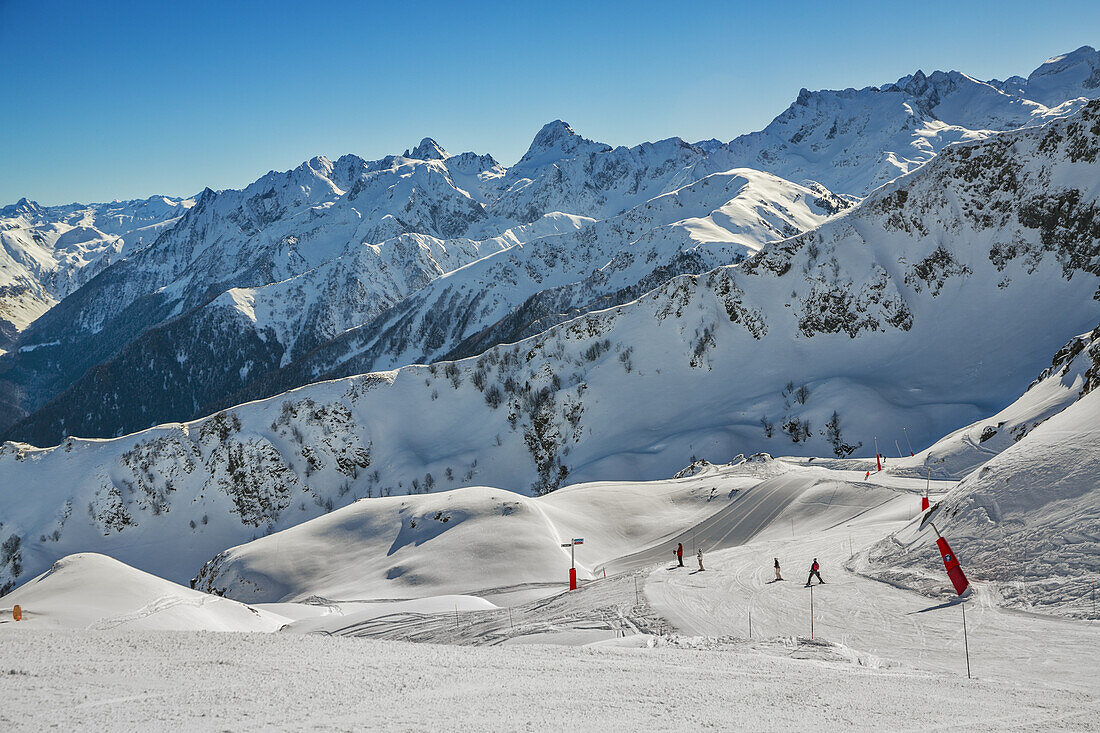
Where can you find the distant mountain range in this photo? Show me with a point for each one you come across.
(121, 316)
(929, 305)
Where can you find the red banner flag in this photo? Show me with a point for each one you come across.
(951, 563)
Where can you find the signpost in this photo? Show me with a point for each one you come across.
(572, 545)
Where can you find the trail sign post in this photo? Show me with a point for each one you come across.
(572, 545)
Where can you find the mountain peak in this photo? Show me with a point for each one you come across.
(428, 149)
(1086, 56)
(22, 206)
(557, 140)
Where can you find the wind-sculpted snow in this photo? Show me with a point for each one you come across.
(902, 312)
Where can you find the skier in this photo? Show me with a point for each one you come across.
(680, 553)
(814, 570)
(700, 556)
(777, 575)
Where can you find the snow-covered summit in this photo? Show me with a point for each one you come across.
(557, 140)
(428, 149)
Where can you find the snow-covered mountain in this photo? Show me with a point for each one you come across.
(253, 280)
(236, 339)
(854, 140)
(47, 252)
(1068, 76)
(929, 305)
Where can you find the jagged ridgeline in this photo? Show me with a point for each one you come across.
(930, 305)
(339, 267)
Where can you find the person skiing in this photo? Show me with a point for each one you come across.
(700, 556)
(777, 575)
(680, 553)
(815, 570)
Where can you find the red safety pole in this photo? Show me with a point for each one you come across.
(878, 463)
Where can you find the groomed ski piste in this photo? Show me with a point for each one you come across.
(453, 610)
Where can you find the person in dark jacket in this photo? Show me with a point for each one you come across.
(680, 553)
(777, 575)
(815, 570)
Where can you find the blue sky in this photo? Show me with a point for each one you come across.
(106, 100)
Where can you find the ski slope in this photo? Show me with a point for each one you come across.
(893, 625)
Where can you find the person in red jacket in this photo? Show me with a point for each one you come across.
(814, 570)
(680, 553)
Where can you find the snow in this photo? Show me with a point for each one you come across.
(246, 682)
(392, 541)
(91, 591)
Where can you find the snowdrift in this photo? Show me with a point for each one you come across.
(90, 591)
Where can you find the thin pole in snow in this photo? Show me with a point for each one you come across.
(907, 441)
(966, 642)
(811, 612)
(898, 447)
(510, 619)
(851, 552)
(637, 595)
(750, 624)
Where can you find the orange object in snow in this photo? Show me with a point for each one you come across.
(17, 613)
(923, 503)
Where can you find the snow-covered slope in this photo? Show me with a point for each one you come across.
(47, 252)
(1028, 521)
(1067, 76)
(539, 273)
(854, 140)
(1074, 371)
(279, 227)
(91, 591)
(929, 305)
(720, 219)
(454, 541)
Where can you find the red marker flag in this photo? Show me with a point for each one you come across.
(951, 563)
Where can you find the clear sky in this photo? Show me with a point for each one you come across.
(106, 100)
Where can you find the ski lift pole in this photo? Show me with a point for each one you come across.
(899, 448)
(907, 441)
(878, 463)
